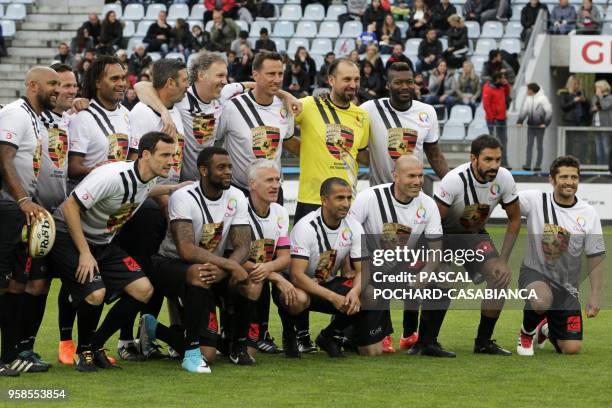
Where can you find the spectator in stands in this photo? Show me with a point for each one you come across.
(81, 42)
(354, 56)
(111, 34)
(589, 19)
(573, 103)
(182, 40)
(139, 60)
(373, 57)
(232, 66)
(322, 79)
(563, 18)
(159, 35)
(440, 14)
(442, 86)
(223, 32)
(81, 68)
(90, 54)
(264, 43)
(227, 7)
(468, 87)
(496, 63)
(64, 55)
(374, 14)
(308, 64)
(430, 51)
(355, 11)
(243, 38)
(131, 99)
(529, 15)
(420, 86)
(457, 42)
(487, 10)
(200, 38)
(123, 58)
(420, 20)
(94, 27)
(371, 84)
(389, 35)
(398, 56)
(366, 38)
(537, 110)
(245, 70)
(601, 109)
(495, 93)
(295, 80)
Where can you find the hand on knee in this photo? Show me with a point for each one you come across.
(96, 297)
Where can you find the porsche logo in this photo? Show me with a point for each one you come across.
(474, 216)
(211, 236)
(262, 250)
(325, 266)
(119, 218)
(265, 141)
(57, 146)
(339, 140)
(203, 128)
(118, 145)
(402, 141)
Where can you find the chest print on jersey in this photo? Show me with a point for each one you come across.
(402, 141)
(36, 157)
(57, 146)
(474, 216)
(339, 140)
(325, 266)
(555, 241)
(178, 154)
(393, 232)
(211, 235)
(203, 127)
(262, 250)
(118, 145)
(265, 141)
(119, 218)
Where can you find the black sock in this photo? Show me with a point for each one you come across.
(66, 314)
(33, 310)
(89, 316)
(287, 322)
(486, 327)
(10, 332)
(410, 322)
(243, 309)
(302, 323)
(335, 327)
(197, 301)
(432, 317)
(121, 314)
(263, 310)
(530, 320)
(172, 336)
(5, 314)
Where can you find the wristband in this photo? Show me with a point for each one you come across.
(23, 200)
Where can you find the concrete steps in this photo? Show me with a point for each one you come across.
(39, 52)
(44, 34)
(12, 75)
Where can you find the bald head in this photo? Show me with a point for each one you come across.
(407, 161)
(39, 73)
(408, 177)
(42, 88)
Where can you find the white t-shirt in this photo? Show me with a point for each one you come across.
(270, 233)
(253, 131)
(558, 235)
(471, 202)
(144, 120)
(323, 247)
(109, 196)
(22, 128)
(394, 133)
(211, 219)
(51, 187)
(200, 121)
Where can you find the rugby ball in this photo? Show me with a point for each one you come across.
(39, 237)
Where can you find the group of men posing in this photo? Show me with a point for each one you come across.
(148, 206)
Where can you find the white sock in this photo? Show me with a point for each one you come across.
(124, 343)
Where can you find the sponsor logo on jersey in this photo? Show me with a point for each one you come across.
(555, 241)
(131, 264)
(581, 221)
(494, 189)
(347, 234)
(211, 236)
(57, 146)
(265, 141)
(402, 141)
(359, 120)
(574, 324)
(119, 218)
(178, 154)
(279, 222)
(232, 204)
(339, 140)
(474, 216)
(392, 231)
(262, 250)
(325, 266)
(118, 146)
(423, 119)
(203, 128)
(36, 158)
(421, 212)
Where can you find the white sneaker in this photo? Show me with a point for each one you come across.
(524, 346)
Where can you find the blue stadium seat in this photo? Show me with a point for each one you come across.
(8, 28)
(512, 45)
(281, 44)
(403, 26)
(334, 11)
(458, 3)
(484, 45)
(153, 11)
(321, 46)
(114, 7)
(306, 29)
(461, 114)
(257, 26)
(477, 128)
(197, 12)
(15, 12)
(134, 12)
(351, 29)
(283, 29)
(384, 58)
(492, 29)
(177, 11)
(473, 29)
(314, 12)
(412, 46)
(329, 29)
(444, 42)
(453, 131)
(478, 61)
(296, 42)
(291, 12)
(344, 46)
(143, 27)
(516, 12)
(128, 28)
(513, 29)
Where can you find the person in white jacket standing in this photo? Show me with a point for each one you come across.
(538, 112)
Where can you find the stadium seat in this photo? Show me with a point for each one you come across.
(478, 61)
(512, 45)
(453, 131)
(197, 12)
(291, 12)
(314, 12)
(329, 29)
(154, 56)
(458, 2)
(177, 11)
(128, 28)
(281, 44)
(208, 26)
(513, 29)
(1, 10)
(607, 28)
(459, 11)
(276, 2)
(114, 7)
(473, 29)
(477, 127)
(412, 46)
(153, 11)
(134, 12)
(283, 29)
(244, 26)
(492, 29)
(8, 28)
(294, 43)
(516, 12)
(344, 46)
(143, 27)
(352, 29)
(193, 23)
(178, 55)
(608, 16)
(480, 113)
(321, 46)
(334, 11)
(132, 42)
(318, 59)
(306, 29)
(257, 26)
(24, 1)
(461, 114)
(15, 12)
(403, 26)
(484, 45)
(444, 42)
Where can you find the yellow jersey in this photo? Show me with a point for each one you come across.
(330, 139)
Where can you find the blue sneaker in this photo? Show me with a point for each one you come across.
(147, 327)
(194, 362)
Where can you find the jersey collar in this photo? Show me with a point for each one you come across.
(250, 93)
(401, 110)
(255, 211)
(474, 176)
(392, 187)
(195, 93)
(565, 205)
(137, 172)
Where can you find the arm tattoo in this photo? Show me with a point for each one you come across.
(436, 159)
(182, 234)
(240, 237)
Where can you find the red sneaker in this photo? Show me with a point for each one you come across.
(541, 337)
(407, 342)
(388, 345)
(66, 352)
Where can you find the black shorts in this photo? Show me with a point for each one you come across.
(475, 242)
(117, 268)
(565, 315)
(371, 326)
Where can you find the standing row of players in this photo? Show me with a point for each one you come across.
(222, 236)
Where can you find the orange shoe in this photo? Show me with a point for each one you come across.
(66, 352)
(388, 345)
(407, 342)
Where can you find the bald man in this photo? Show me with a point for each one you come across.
(20, 154)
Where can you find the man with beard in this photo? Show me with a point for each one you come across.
(561, 227)
(190, 269)
(466, 197)
(20, 149)
(401, 125)
(333, 130)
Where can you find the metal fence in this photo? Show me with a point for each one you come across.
(591, 145)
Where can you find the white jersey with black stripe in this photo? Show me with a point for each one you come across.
(270, 233)
(395, 133)
(21, 128)
(109, 196)
(471, 202)
(51, 187)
